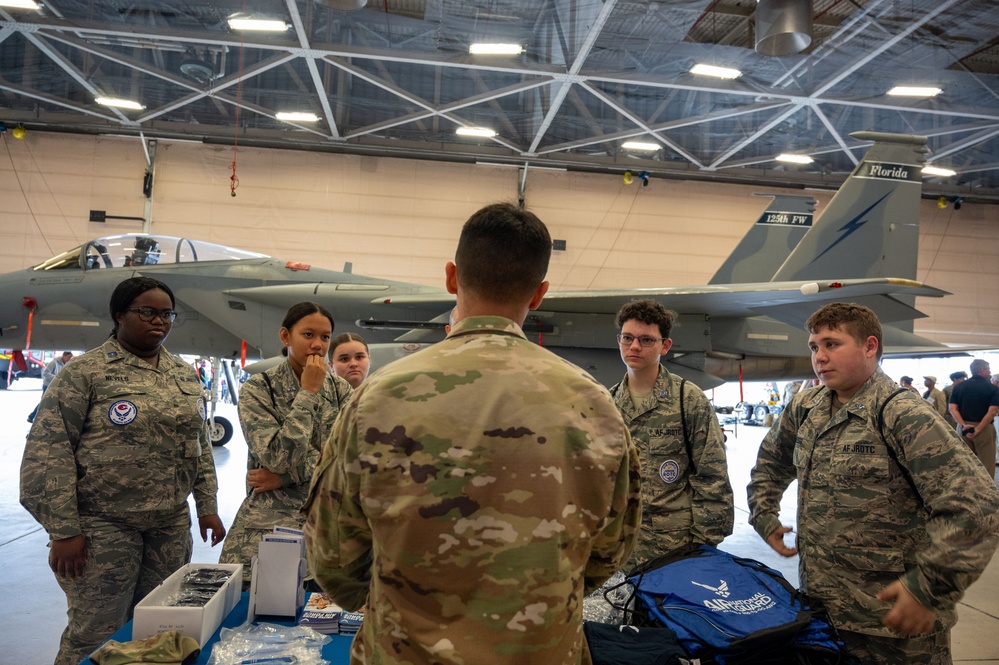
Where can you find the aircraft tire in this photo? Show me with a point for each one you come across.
(761, 413)
(221, 433)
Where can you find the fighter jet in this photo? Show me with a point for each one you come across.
(230, 302)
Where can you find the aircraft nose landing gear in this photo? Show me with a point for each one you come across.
(220, 431)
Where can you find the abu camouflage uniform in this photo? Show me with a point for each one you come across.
(284, 427)
(115, 450)
(682, 502)
(479, 490)
(861, 524)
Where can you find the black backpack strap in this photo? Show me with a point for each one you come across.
(890, 447)
(270, 389)
(686, 435)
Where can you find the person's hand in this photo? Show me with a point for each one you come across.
(67, 557)
(262, 480)
(213, 523)
(314, 373)
(776, 541)
(908, 616)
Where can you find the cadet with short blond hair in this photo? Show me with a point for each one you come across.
(896, 517)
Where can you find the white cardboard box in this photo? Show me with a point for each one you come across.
(152, 616)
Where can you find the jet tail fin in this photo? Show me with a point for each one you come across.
(769, 241)
(871, 226)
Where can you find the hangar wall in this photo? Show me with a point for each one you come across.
(399, 219)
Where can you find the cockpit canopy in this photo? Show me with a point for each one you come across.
(142, 249)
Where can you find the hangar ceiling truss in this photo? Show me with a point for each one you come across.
(395, 78)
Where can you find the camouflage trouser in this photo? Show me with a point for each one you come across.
(127, 557)
(926, 650)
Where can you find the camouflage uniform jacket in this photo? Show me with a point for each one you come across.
(861, 526)
(682, 502)
(479, 490)
(285, 428)
(115, 435)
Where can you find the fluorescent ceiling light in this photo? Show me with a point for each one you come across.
(476, 131)
(260, 25)
(19, 4)
(934, 170)
(794, 159)
(297, 116)
(914, 91)
(495, 49)
(717, 72)
(120, 103)
(639, 145)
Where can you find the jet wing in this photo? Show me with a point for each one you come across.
(788, 302)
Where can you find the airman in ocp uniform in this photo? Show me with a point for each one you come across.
(474, 492)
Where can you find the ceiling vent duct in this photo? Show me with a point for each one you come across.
(343, 5)
(783, 27)
(197, 70)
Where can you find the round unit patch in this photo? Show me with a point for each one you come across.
(669, 471)
(122, 412)
(202, 411)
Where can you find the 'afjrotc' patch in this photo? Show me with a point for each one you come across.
(122, 412)
(669, 471)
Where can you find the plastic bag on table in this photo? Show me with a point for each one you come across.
(269, 644)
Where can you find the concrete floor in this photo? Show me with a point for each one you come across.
(33, 615)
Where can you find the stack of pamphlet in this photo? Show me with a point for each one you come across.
(321, 614)
(350, 622)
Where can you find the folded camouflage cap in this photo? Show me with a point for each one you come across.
(171, 647)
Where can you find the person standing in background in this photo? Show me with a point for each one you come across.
(686, 493)
(974, 404)
(119, 443)
(906, 382)
(935, 396)
(49, 373)
(955, 379)
(349, 358)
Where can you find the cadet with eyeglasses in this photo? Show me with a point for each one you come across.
(119, 442)
(686, 494)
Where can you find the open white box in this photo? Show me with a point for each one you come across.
(152, 616)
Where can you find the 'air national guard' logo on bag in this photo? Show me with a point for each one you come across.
(122, 412)
(669, 471)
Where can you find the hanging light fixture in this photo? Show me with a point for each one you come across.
(343, 5)
(783, 27)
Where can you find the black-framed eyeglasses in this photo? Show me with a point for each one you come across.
(625, 339)
(147, 314)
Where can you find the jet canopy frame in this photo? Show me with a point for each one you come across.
(131, 250)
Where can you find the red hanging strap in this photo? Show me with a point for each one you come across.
(32, 305)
